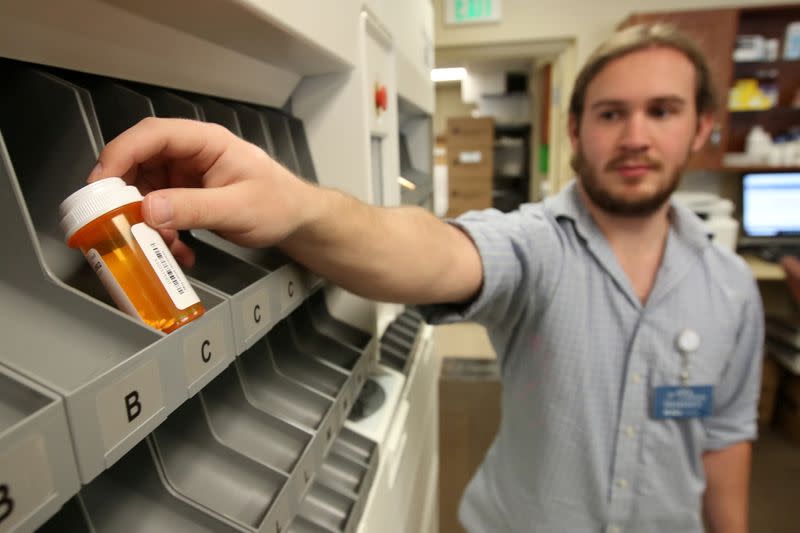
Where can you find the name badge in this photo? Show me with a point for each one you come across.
(683, 401)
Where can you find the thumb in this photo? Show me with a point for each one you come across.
(187, 208)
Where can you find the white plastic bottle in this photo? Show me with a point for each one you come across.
(758, 145)
(791, 43)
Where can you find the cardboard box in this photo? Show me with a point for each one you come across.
(467, 193)
(460, 205)
(470, 161)
(472, 129)
(470, 155)
(468, 186)
(469, 417)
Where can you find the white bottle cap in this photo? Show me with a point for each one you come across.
(95, 200)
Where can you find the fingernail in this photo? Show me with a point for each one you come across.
(160, 210)
(96, 172)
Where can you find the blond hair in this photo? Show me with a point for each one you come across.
(641, 37)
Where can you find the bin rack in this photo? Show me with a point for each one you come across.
(263, 425)
(243, 454)
(118, 376)
(134, 495)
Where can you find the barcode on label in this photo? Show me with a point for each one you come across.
(155, 249)
(166, 268)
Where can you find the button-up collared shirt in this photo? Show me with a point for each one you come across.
(580, 357)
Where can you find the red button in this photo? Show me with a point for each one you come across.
(381, 97)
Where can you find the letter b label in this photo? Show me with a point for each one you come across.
(132, 405)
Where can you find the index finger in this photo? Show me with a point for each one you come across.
(198, 144)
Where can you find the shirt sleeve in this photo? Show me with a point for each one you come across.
(735, 414)
(514, 249)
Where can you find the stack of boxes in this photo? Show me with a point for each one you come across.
(469, 417)
(470, 163)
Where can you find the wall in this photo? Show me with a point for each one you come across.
(448, 104)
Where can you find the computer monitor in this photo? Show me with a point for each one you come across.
(771, 205)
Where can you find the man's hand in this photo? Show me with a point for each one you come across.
(200, 175)
(791, 265)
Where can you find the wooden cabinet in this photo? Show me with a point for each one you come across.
(715, 33)
(778, 120)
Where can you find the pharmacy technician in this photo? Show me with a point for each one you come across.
(629, 343)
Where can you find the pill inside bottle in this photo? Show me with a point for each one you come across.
(104, 219)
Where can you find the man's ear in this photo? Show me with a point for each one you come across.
(572, 129)
(705, 123)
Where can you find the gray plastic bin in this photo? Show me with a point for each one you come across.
(72, 518)
(214, 476)
(38, 473)
(132, 496)
(278, 124)
(254, 127)
(302, 150)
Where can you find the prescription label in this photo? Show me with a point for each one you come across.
(165, 266)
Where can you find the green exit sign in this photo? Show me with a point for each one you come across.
(472, 11)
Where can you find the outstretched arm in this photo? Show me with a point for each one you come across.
(198, 175)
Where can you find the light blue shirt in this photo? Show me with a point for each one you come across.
(577, 449)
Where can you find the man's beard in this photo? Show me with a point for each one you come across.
(615, 204)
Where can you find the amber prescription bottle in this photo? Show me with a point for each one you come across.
(104, 219)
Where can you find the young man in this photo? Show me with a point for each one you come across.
(629, 344)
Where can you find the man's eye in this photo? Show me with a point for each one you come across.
(661, 112)
(610, 115)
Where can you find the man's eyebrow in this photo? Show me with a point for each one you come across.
(670, 99)
(609, 103)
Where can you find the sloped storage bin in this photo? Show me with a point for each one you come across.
(37, 461)
(119, 377)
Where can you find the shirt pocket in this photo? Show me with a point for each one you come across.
(706, 364)
(672, 448)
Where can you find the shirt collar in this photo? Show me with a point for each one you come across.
(688, 227)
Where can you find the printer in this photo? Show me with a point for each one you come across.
(717, 214)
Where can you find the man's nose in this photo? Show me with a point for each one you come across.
(635, 135)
